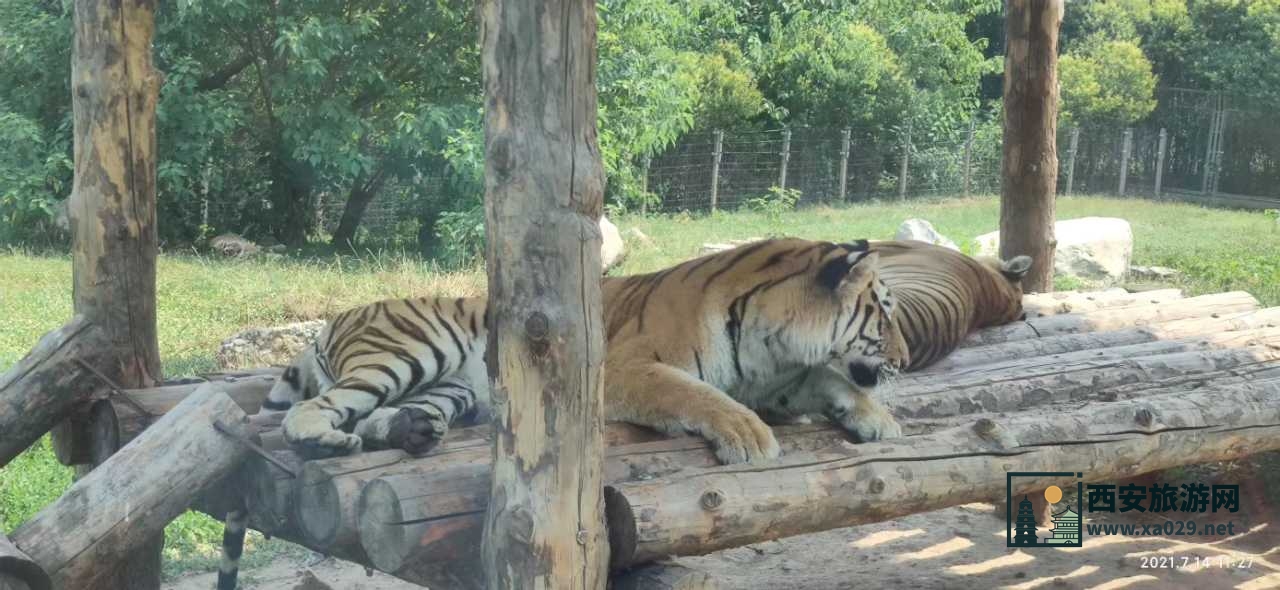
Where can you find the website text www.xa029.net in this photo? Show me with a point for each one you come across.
(1174, 528)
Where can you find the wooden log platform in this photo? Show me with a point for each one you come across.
(1129, 382)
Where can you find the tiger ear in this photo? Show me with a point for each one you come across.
(1015, 268)
(855, 267)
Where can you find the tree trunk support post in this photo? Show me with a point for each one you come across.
(716, 155)
(844, 163)
(112, 210)
(544, 186)
(1030, 162)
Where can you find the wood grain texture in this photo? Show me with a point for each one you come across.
(1047, 304)
(126, 501)
(544, 185)
(1029, 169)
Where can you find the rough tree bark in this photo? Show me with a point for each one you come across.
(1030, 165)
(544, 184)
(113, 208)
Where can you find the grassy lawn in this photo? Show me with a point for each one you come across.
(202, 301)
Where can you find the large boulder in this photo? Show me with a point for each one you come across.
(274, 346)
(612, 252)
(923, 231)
(1089, 247)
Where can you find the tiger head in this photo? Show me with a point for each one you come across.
(848, 310)
(1007, 305)
(299, 381)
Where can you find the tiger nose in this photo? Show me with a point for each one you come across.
(864, 375)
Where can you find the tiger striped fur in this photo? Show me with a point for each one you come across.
(943, 295)
(783, 327)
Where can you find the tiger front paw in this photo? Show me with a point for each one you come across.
(415, 431)
(314, 437)
(871, 421)
(741, 437)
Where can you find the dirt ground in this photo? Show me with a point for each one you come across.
(961, 547)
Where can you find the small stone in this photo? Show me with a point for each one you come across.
(923, 231)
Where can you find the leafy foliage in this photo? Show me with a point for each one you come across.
(1106, 82)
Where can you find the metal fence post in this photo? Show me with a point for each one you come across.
(786, 158)
(1211, 148)
(844, 163)
(1218, 152)
(1071, 159)
(1160, 152)
(906, 160)
(1126, 146)
(644, 185)
(715, 168)
(968, 151)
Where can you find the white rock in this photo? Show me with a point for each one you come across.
(1089, 247)
(922, 230)
(639, 237)
(611, 249)
(276, 346)
(1154, 273)
(712, 247)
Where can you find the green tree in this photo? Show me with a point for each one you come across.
(1106, 82)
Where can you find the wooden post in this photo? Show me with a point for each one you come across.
(968, 153)
(715, 168)
(544, 185)
(112, 209)
(844, 163)
(786, 158)
(1160, 153)
(1126, 147)
(95, 525)
(1071, 160)
(906, 162)
(1030, 163)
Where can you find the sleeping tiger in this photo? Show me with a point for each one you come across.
(693, 348)
(943, 295)
(785, 327)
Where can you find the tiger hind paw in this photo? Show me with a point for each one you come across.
(415, 431)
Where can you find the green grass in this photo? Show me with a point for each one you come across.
(201, 301)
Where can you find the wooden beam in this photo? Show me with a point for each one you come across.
(1186, 330)
(856, 484)
(18, 571)
(1029, 168)
(106, 515)
(45, 385)
(1047, 304)
(544, 186)
(1204, 306)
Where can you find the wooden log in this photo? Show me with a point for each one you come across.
(1008, 389)
(663, 576)
(45, 385)
(1047, 304)
(130, 498)
(699, 511)
(18, 571)
(1029, 167)
(1203, 342)
(410, 522)
(1064, 343)
(118, 419)
(1204, 306)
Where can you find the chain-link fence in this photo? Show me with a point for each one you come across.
(1197, 145)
